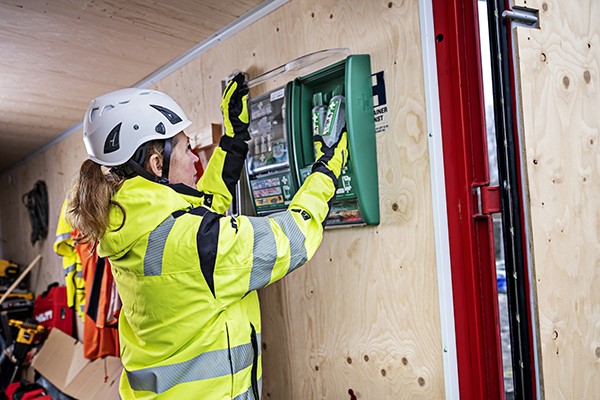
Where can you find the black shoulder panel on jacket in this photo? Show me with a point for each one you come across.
(207, 240)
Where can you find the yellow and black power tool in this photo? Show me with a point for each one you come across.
(29, 332)
(28, 335)
(8, 269)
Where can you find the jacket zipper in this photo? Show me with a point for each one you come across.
(229, 356)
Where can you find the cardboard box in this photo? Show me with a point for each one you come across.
(61, 361)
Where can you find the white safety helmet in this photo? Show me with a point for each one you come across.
(119, 122)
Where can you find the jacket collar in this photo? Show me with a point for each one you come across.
(146, 205)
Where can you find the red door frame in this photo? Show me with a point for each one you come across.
(479, 352)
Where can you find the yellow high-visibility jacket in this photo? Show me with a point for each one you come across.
(72, 268)
(190, 323)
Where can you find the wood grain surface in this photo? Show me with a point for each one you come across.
(558, 67)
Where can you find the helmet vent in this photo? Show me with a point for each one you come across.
(112, 140)
(106, 108)
(170, 115)
(160, 128)
(94, 113)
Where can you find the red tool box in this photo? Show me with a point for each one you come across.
(50, 309)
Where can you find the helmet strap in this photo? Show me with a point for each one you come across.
(133, 166)
(131, 169)
(168, 147)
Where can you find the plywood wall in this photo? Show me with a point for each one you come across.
(559, 67)
(57, 168)
(362, 317)
(361, 320)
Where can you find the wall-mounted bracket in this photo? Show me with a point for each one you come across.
(522, 16)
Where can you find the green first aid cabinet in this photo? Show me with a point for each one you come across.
(282, 148)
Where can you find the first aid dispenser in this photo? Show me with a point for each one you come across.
(357, 199)
(281, 149)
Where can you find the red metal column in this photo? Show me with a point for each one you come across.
(479, 353)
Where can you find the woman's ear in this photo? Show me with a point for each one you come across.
(155, 165)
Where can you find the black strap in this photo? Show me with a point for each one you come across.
(94, 297)
(133, 166)
(164, 179)
(254, 371)
(185, 189)
(131, 169)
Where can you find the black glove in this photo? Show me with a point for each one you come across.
(234, 107)
(333, 157)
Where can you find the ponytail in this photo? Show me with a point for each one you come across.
(89, 207)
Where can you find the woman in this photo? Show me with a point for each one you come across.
(187, 275)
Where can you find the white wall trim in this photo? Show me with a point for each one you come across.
(438, 191)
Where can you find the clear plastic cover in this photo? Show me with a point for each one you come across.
(303, 65)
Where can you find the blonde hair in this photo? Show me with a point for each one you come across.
(91, 200)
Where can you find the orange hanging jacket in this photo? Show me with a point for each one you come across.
(99, 338)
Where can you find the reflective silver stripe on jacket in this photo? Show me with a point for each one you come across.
(264, 253)
(156, 247)
(212, 364)
(297, 250)
(249, 394)
(69, 269)
(62, 237)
